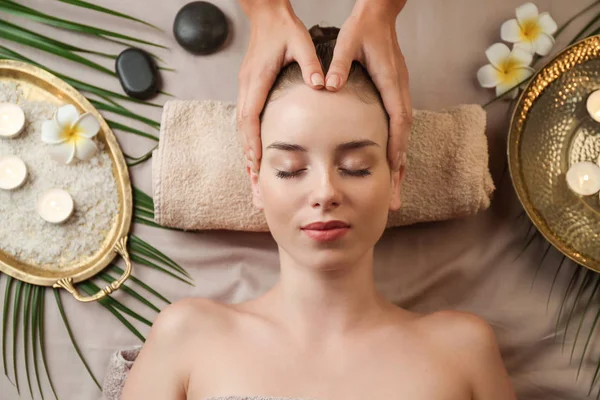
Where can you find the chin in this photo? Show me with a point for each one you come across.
(332, 259)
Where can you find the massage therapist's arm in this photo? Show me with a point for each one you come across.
(161, 369)
(369, 36)
(277, 38)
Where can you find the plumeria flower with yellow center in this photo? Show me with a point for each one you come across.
(507, 69)
(531, 30)
(71, 134)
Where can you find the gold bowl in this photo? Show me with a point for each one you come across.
(550, 130)
(40, 85)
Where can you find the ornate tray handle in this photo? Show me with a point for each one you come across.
(67, 283)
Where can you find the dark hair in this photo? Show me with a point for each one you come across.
(324, 38)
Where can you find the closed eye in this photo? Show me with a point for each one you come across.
(346, 172)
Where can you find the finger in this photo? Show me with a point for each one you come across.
(392, 83)
(251, 106)
(312, 73)
(343, 54)
(242, 90)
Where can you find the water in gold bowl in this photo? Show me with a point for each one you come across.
(551, 130)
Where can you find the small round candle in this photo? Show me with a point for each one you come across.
(13, 173)
(583, 178)
(55, 206)
(12, 120)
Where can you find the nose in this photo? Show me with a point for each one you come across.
(326, 193)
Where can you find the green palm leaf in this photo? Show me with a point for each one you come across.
(34, 330)
(124, 112)
(134, 257)
(34, 37)
(89, 289)
(41, 336)
(143, 247)
(119, 271)
(79, 85)
(109, 279)
(581, 33)
(80, 3)
(23, 11)
(117, 125)
(586, 345)
(70, 333)
(16, 308)
(7, 291)
(139, 160)
(48, 47)
(586, 277)
(141, 252)
(541, 263)
(587, 306)
(564, 258)
(26, 310)
(574, 277)
(574, 17)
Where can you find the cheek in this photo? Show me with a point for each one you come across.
(374, 194)
(280, 202)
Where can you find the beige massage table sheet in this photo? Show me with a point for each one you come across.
(463, 264)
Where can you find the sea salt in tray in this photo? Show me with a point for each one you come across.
(32, 249)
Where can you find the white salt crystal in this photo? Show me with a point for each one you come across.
(23, 233)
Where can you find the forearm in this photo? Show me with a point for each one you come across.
(380, 7)
(255, 7)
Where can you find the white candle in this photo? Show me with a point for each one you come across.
(55, 206)
(583, 178)
(12, 120)
(13, 173)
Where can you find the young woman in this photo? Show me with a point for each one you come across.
(323, 331)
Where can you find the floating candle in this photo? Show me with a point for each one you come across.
(55, 206)
(12, 120)
(13, 173)
(583, 178)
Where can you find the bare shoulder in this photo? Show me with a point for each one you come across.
(469, 343)
(459, 329)
(163, 366)
(181, 320)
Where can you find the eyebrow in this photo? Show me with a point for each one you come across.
(354, 144)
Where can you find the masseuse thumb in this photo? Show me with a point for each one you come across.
(312, 73)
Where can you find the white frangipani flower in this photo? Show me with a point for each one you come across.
(71, 134)
(507, 69)
(531, 30)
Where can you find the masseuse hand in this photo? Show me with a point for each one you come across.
(277, 37)
(369, 36)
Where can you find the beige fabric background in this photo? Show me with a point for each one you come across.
(464, 264)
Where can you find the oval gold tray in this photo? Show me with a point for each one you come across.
(550, 130)
(40, 85)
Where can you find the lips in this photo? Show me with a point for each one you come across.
(321, 226)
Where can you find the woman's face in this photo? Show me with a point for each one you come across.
(324, 158)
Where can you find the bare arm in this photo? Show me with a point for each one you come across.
(490, 379)
(160, 370)
(277, 37)
(471, 344)
(369, 36)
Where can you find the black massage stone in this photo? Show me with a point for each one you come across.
(200, 27)
(137, 73)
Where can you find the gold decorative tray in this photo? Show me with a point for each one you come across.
(550, 130)
(39, 85)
